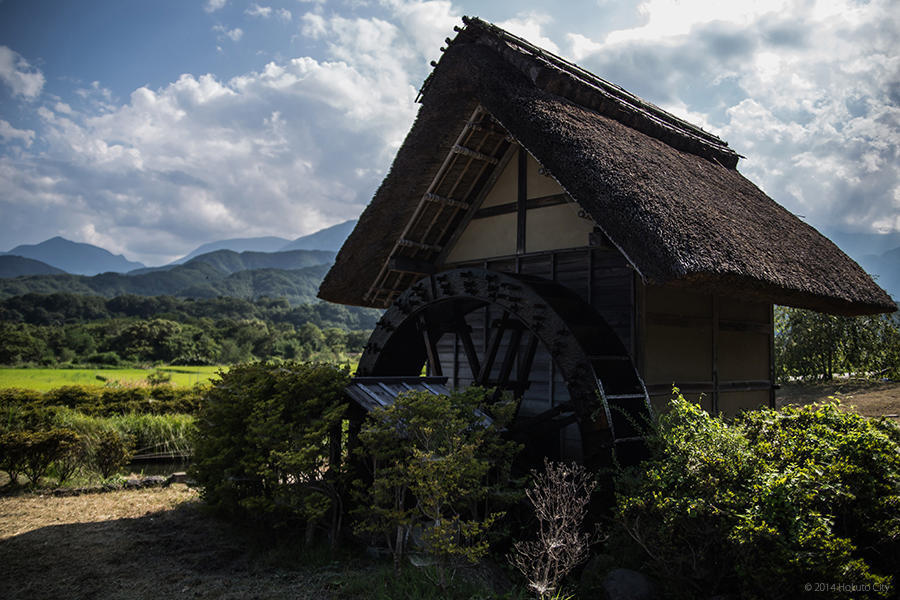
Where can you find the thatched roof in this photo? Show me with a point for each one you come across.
(664, 192)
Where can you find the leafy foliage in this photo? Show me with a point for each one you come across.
(32, 452)
(439, 463)
(810, 345)
(112, 451)
(264, 444)
(756, 506)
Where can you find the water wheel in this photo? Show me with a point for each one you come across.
(485, 327)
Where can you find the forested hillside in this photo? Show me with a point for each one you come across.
(196, 279)
(50, 329)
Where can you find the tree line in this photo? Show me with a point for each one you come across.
(53, 329)
(813, 345)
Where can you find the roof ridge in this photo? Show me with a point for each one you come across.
(561, 77)
(613, 89)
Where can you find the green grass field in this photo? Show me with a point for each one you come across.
(46, 379)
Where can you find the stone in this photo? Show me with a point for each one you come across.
(591, 582)
(179, 477)
(625, 584)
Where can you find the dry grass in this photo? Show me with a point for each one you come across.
(21, 514)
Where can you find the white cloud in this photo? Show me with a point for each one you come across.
(10, 133)
(808, 91)
(233, 34)
(266, 12)
(23, 79)
(256, 10)
(298, 145)
(214, 5)
(530, 26)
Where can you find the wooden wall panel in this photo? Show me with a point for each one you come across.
(732, 403)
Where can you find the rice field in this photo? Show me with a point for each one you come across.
(46, 379)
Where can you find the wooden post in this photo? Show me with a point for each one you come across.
(715, 355)
(521, 201)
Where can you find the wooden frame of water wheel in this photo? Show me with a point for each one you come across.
(524, 316)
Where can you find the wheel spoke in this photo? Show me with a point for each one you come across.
(430, 337)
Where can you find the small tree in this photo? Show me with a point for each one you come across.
(431, 458)
(560, 497)
(112, 450)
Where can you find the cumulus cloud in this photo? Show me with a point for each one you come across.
(295, 146)
(214, 5)
(233, 34)
(17, 73)
(10, 133)
(806, 91)
(266, 12)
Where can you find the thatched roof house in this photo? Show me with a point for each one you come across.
(546, 233)
(663, 192)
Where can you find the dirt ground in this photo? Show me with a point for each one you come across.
(872, 399)
(141, 544)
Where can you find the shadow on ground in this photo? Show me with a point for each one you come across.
(175, 553)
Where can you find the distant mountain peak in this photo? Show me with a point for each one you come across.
(330, 238)
(75, 257)
(256, 244)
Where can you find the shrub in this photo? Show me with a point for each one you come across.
(71, 396)
(765, 503)
(431, 457)
(112, 450)
(32, 452)
(13, 453)
(263, 446)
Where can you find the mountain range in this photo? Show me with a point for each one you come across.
(294, 275)
(269, 266)
(330, 238)
(245, 267)
(78, 258)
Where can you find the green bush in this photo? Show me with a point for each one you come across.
(13, 453)
(105, 402)
(112, 451)
(32, 452)
(264, 443)
(71, 396)
(759, 506)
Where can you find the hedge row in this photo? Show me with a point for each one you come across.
(105, 402)
(62, 452)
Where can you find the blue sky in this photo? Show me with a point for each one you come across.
(150, 127)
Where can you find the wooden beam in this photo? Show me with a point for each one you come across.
(530, 204)
(411, 265)
(476, 203)
(464, 334)
(458, 149)
(431, 351)
(418, 245)
(445, 201)
(715, 354)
